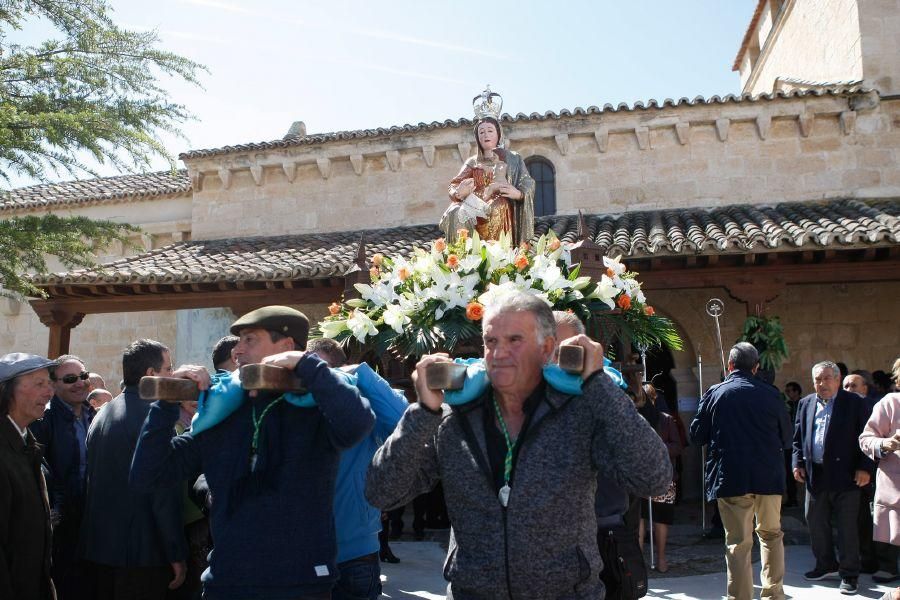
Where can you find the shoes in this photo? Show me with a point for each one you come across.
(820, 574)
(662, 567)
(884, 577)
(848, 586)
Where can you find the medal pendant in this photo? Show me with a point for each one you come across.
(504, 495)
(253, 461)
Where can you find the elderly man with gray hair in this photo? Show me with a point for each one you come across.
(828, 459)
(747, 428)
(517, 458)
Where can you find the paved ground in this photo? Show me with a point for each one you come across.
(697, 566)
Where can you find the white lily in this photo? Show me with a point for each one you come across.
(395, 318)
(361, 325)
(552, 278)
(331, 329)
(496, 292)
(606, 291)
(469, 263)
(457, 292)
(399, 263)
(498, 257)
(580, 283)
(379, 294)
(614, 264)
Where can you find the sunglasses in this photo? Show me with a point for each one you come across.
(70, 379)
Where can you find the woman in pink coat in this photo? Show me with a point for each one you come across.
(881, 439)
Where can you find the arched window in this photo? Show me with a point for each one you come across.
(541, 171)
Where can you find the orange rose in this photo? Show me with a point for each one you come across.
(440, 244)
(525, 247)
(521, 262)
(462, 233)
(403, 273)
(624, 301)
(474, 311)
(378, 259)
(610, 273)
(554, 244)
(648, 310)
(453, 261)
(374, 273)
(334, 308)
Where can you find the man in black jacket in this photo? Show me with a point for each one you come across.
(747, 428)
(62, 432)
(828, 459)
(135, 539)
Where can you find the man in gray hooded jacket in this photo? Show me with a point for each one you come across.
(519, 464)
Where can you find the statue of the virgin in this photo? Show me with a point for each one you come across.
(493, 193)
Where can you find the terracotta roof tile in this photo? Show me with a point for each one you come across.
(730, 229)
(359, 134)
(140, 185)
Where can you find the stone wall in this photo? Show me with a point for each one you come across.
(703, 155)
(814, 40)
(879, 22)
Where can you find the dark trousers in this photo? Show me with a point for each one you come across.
(867, 554)
(133, 583)
(821, 507)
(73, 578)
(360, 579)
(791, 482)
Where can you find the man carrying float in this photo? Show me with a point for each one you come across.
(519, 462)
(270, 461)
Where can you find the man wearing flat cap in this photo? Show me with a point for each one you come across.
(270, 466)
(25, 538)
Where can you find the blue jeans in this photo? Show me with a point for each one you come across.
(360, 579)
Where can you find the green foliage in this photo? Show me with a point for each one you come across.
(767, 336)
(95, 91)
(25, 242)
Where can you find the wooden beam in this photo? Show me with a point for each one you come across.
(60, 322)
(179, 301)
(823, 272)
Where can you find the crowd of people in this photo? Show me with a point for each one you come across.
(271, 495)
(835, 437)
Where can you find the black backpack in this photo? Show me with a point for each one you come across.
(624, 572)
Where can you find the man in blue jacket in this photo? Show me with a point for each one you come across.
(270, 466)
(62, 432)
(356, 521)
(747, 428)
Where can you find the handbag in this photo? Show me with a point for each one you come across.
(668, 497)
(624, 572)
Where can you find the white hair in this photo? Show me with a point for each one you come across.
(522, 302)
(826, 364)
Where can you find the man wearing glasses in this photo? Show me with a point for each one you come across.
(62, 432)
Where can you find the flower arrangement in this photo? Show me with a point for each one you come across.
(436, 299)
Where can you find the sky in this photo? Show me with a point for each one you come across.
(348, 64)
